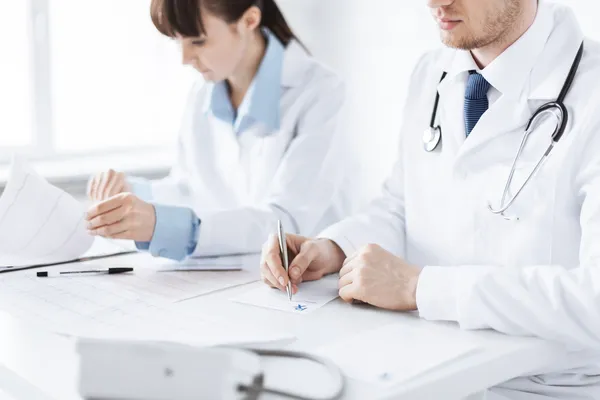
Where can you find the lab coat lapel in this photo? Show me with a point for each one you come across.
(451, 114)
(263, 152)
(506, 117)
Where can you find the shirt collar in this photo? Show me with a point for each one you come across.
(262, 100)
(509, 72)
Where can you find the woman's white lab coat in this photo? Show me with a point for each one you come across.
(539, 275)
(239, 183)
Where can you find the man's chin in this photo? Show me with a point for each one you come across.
(457, 41)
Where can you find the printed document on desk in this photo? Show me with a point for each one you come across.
(310, 297)
(145, 282)
(107, 308)
(395, 353)
(39, 223)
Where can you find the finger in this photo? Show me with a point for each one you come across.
(112, 181)
(106, 184)
(111, 231)
(348, 267)
(300, 263)
(273, 261)
(94, 187)
(108, 218)
(113, 188)
(311, 276)
(117, 185)
(347, 279)
(350, 258)
(294, 242)
(91, 187)
(103, 182)
(268, 277)
(348, 293)
(106, 206)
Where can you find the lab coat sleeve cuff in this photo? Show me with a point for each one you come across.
(436, 294)
(440, 290)
(175, 233)
(341, 241)
(345, 235)
(142, 188)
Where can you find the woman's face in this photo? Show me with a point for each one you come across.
(217, 53)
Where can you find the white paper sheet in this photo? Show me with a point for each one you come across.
(144, 282)
(395, 353)
(39, 223)
(106, 247)
(204, 264)
(109, 307)
(310, 297)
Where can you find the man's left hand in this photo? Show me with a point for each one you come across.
(375, 276)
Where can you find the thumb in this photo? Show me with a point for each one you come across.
(308, 252)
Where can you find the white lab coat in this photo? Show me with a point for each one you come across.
(536, 276)
(240, 185)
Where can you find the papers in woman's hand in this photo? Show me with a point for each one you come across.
(39, 223)
(311, 296)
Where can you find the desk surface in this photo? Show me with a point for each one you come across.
(38, 365)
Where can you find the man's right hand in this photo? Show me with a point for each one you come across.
(107, 184)
(310, 260)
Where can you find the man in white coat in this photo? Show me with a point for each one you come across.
(430, 241)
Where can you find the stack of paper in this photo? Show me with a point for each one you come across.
(39, 223)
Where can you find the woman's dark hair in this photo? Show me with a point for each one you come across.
(183, 17)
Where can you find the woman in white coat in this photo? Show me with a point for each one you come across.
(431, 241)
(259, 141)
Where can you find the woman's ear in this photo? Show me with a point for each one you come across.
(251, 19)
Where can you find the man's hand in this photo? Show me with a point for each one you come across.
(123, 216)
(310, 260)
(379, 278)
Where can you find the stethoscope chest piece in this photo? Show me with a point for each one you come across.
(431, 138)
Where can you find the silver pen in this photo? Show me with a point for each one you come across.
(284, 257)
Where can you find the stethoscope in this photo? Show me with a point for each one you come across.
(258, 388)
(433, 135)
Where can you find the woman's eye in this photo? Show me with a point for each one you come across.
(198, 42)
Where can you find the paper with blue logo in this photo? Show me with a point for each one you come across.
(310, 297)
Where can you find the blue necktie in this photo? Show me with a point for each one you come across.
(476, 101)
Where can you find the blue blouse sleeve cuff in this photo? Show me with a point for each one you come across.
(175, 233)
(141, 188)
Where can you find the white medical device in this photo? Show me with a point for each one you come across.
(137, 370)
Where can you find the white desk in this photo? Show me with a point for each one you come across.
(38, 365)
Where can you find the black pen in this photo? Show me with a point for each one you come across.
(110, 271)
